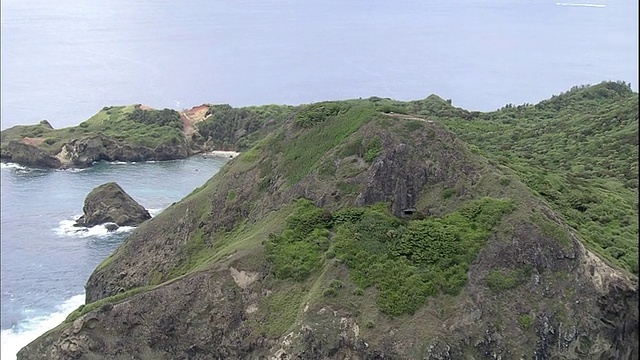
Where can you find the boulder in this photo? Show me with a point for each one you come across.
(108, 203)
(111, 227)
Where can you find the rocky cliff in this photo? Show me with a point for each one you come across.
(409, 245)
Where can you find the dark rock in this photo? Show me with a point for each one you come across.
(29, 155)
(46, 123)
(108, 203)
(111, 227)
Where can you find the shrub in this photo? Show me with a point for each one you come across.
(525, 321)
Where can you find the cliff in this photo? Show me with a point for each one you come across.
(361, 230)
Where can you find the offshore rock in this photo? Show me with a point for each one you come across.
(108, 203)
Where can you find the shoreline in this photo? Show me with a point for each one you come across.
(209, 154)
(220, 153)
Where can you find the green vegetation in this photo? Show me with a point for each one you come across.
(240, 128)
(312, 114)
(407, 261)
(84, 309)
(579, 150)
(504, 279)
(281, 309)
(302, 151)
(525, 321)
(367, 149)
(134, 125)
(296, 252)
(128, 124)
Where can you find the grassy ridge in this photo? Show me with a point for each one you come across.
(134, 125)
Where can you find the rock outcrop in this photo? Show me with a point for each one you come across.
(85, 151)
(29, 155)
(108, 203)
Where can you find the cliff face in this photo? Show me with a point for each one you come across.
(84, 152)
(29, 155)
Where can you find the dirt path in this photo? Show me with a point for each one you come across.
(408, 117)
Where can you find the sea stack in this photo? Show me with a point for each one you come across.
(109, 203)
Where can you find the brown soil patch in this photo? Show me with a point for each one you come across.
(32, 141)
(243, 278)
(191, 117)
(145, 107)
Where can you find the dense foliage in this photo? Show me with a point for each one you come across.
(134, 125)
(165, 117)
(227, 127)
(318, 112)
(406, 260)
(579, 150)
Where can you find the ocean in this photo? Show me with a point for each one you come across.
(45, 259)
(65, 60)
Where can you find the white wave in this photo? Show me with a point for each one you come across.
(13, 166)
(154, 212)
(23, 333)
(585, 5)
(73, 170)
(119, 163)
(67, 228)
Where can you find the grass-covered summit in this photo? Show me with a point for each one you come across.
(369, 229)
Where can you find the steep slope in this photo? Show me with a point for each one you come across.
(408, 245)
(579, 150)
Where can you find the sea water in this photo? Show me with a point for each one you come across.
(65, 60)
(45, 259)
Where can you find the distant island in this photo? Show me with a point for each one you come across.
(367, 229)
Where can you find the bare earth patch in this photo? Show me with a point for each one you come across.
(32, 141)
(191, 117)
(601, 273)
(145, 107)
(243, 278)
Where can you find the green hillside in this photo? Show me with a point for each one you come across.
(381, 229)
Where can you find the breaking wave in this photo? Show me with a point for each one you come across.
(20, 335)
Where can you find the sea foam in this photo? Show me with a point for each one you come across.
(28, 330)
(14, 166)
(67, 228)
